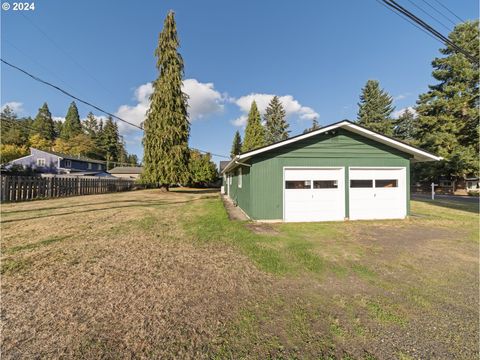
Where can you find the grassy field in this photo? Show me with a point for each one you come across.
(166, 275)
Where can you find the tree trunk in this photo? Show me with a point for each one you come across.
(164, 188)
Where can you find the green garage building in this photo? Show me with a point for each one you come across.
(342, 171)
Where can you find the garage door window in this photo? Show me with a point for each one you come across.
(361, 183)
(325, 184)
(298, 184)
(386, 183)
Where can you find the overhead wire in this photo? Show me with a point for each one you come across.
(36, 78)
(450, 11)
(430, 15)
(439, 12)
(394, 6)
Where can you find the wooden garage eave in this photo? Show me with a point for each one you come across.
(418, 155)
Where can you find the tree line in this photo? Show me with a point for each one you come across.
(444, 121)
(93, 137)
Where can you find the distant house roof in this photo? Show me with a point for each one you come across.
(73, 157)
(223, 164)
(126, 170)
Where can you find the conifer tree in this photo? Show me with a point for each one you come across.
(43, 123)
(254, 132)
(201, 168)
(90, 126)
(167, 129)
(72, 125)
(315, 126)
(110, 140)
(276, 126)
(375, 108)
(405, 126)
(236, 145)
(448, 116)
(14, 131)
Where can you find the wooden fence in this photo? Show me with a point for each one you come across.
(24, 188)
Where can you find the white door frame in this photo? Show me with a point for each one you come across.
(306, 168)
(377, 168)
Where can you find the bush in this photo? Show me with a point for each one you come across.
(474, 193)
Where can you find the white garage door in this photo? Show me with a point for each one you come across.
(314, 194)
(377, 193)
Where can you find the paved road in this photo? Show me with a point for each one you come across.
(459, 198)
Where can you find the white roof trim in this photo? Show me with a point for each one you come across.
(418, 154)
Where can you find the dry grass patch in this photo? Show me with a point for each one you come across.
(124, 281)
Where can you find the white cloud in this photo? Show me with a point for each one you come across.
(16, 106)
(401, 96)
(396, 114)
(292, 107)
(203, 100)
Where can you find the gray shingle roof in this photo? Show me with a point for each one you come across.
(126, 170)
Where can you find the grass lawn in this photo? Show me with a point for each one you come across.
(152, 275)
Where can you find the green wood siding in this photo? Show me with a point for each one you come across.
(261, 196)
(241, 196)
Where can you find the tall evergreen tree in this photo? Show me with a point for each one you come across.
(254, 132)
(90, 125)
(236, 145)
(110, 140)
(72, 125)
(13, 130)
(448, 116)
(43, 123)
(276, 126)
(167, 129)
(405, 126)
(375, 108)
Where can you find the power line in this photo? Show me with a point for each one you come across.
(65, 53)
(410, 21)
(394, 6)
(430, 15)
(450, 11)
(439, 12)
(36, 78)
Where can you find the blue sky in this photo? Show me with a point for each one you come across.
(317, 55)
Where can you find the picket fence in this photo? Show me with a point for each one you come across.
(24, 188)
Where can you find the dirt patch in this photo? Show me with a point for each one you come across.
(262, 229)
(234, 212)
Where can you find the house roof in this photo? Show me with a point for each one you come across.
(223, 164)
(126, 170)
(419, 155)
(72, 157)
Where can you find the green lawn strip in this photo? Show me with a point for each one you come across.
(11, 266)
(51, 240)
(290, 252)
